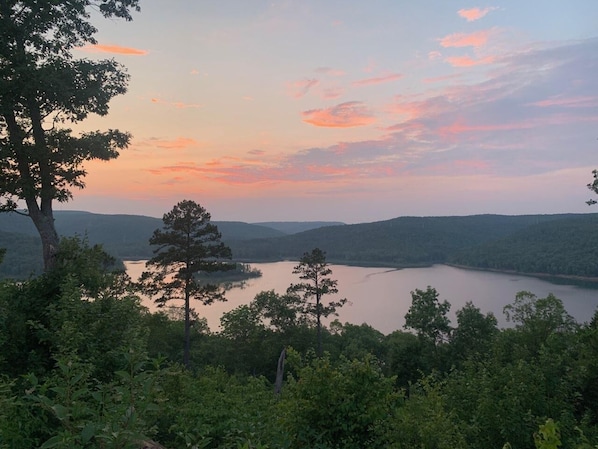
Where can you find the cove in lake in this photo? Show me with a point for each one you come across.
(381, 297)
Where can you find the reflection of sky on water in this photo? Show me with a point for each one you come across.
(381, 297)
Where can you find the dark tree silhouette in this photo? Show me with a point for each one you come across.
(187, 245)
(314, 271)
(42, 87)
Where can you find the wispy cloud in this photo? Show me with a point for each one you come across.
(468, 61)
(179, 143)
(434, 55)
(589, 101)
(332, 93)
(298, 89)
(378, 80)
(176, 104)
(344, 115)
(437, 79)
(476, 39)
(475, 13)
(114, 49)
(330, 71)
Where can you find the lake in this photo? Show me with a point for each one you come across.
(381, 297)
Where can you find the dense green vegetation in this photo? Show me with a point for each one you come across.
(560, 247)
(552, 244)
(84, 365)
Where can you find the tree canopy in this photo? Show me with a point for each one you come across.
(43, 89)
(187, 245)
(315, 271)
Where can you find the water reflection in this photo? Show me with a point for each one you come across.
(381, 297)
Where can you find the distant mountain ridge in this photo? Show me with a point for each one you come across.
(124, 236)
(559, 244)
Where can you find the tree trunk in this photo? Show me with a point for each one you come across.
(319, 315)
(187, 327)
(280, 372)
(44, 222)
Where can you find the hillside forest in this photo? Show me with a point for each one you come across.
(84, 365)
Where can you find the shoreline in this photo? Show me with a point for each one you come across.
(543, 276)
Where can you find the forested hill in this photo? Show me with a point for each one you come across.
(404, 241)
(559, 247)
(565, 244)
(123, 236)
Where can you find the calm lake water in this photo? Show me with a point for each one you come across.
(381, 297)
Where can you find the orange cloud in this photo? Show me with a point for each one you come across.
(177, 144)
(298, 89)
(467, 61)
(117, 49)
(378, 80)
(477, 39)
(474, 13)
(344, 115)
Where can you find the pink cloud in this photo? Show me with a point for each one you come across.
(467, 61)
(572, 102)
(477, 39)
(298, 89)
(459, 127)
(474, 13)
(116, 49)
(378, 80)
(332, 93)
(437, 79)
(344, 115)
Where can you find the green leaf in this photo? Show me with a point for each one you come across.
(52, 442)
(88, 432)
(60, 411)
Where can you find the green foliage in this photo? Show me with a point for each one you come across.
(539, 318)
(216, 410)
(42, 83)
(187, 245)
(474, 334)
(74, 412)
(567, 247)
(315, 271)
(548, 436)
(348, 406)
(79, 308)
(427, 420)
(427, 316)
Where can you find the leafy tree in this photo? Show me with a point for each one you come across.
(474, 333)
(539, 318)
(282, 313)
(187, 245)
(427, 316)
(43, 87)
(314, 271)
(81, 306)
(348, 406)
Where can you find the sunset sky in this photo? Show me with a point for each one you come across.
(349, 110)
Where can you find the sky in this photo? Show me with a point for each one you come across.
(351, 111)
